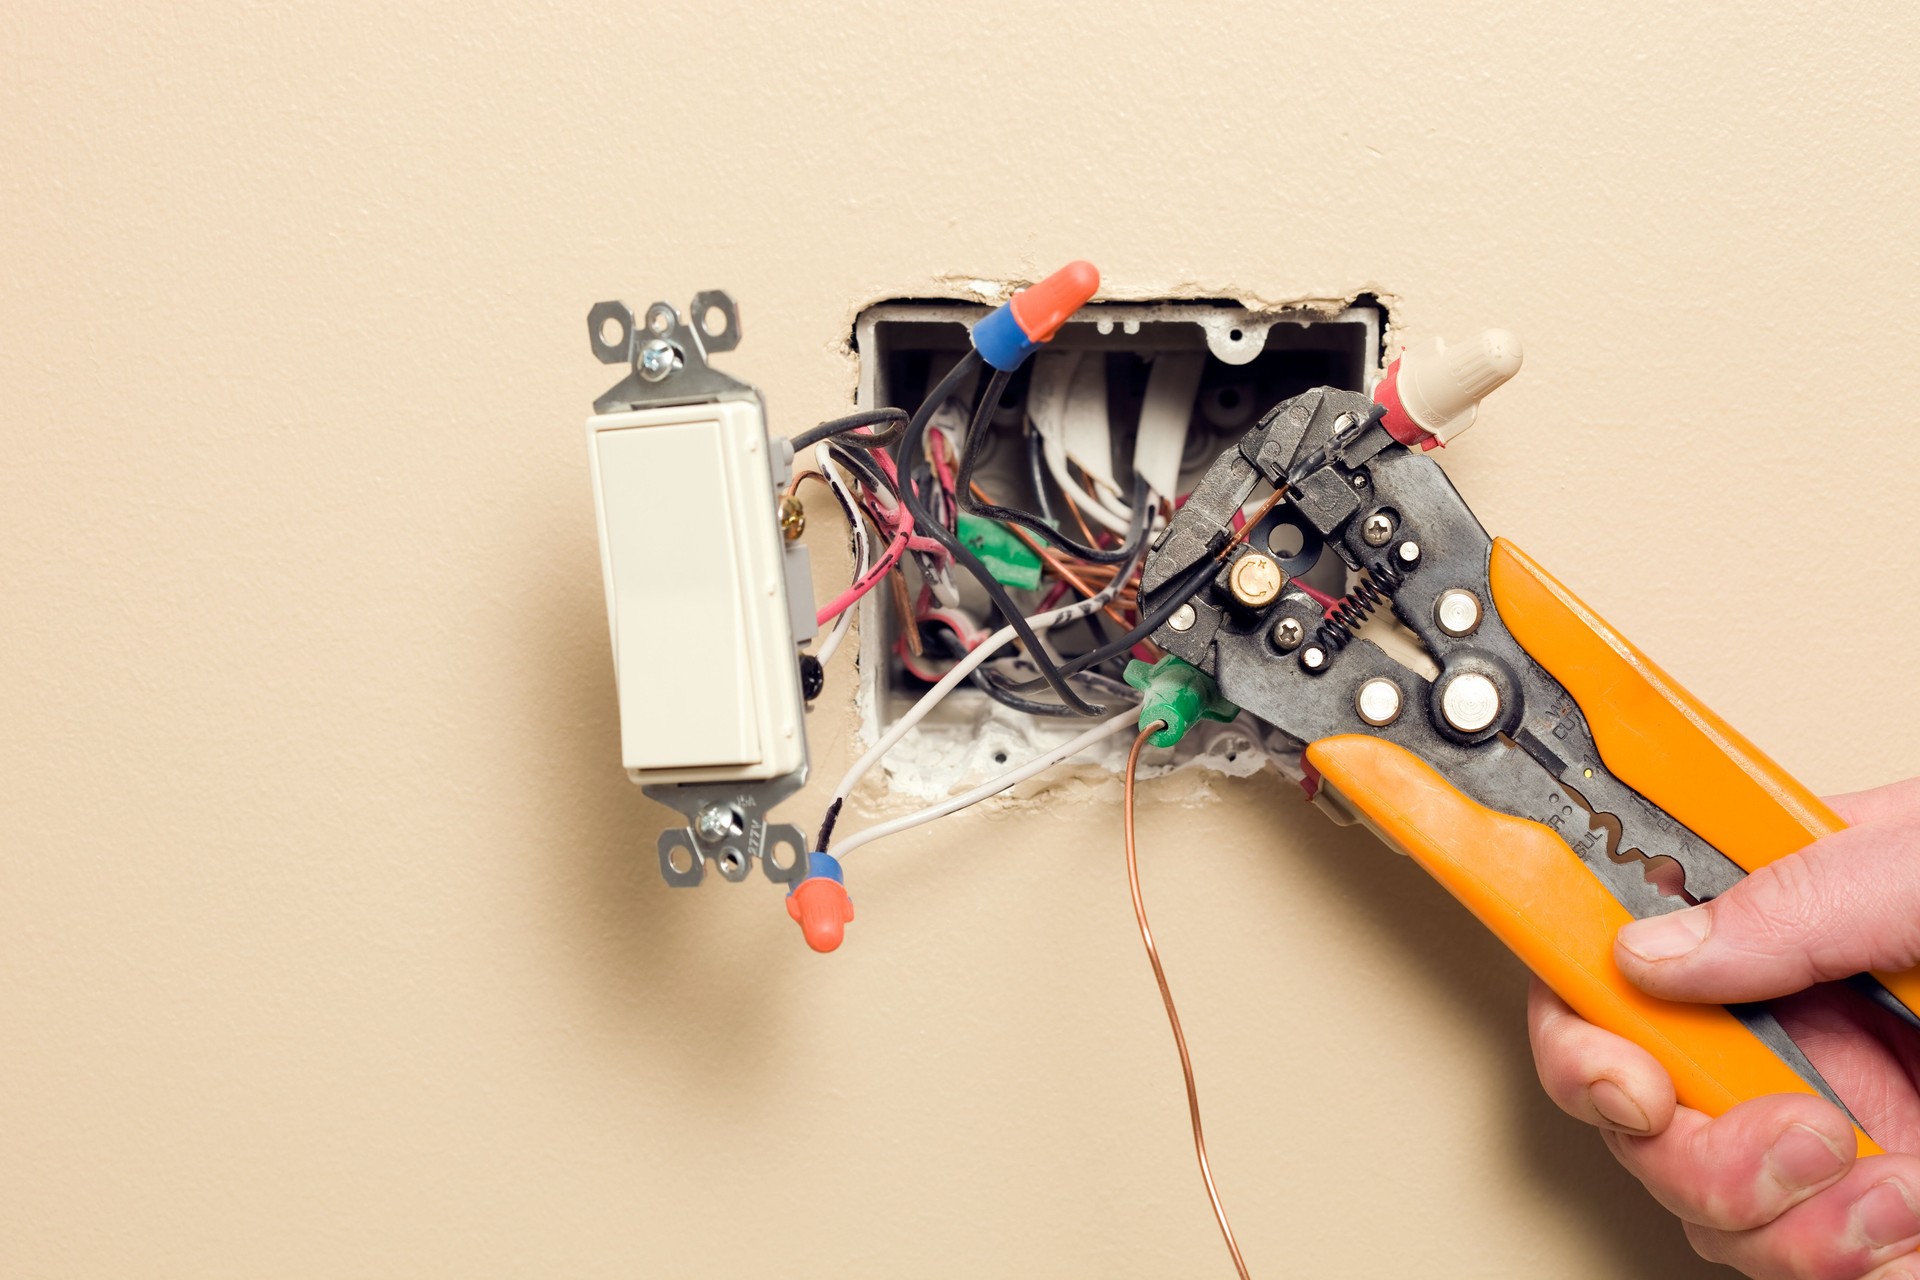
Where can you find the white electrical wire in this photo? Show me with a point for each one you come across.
(964, 668)
(1092, 507)
(1067, 398)
(1040, 764)
(863, 553)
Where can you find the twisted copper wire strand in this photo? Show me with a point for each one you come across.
(1166, 995)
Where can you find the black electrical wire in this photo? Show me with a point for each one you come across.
(1001, 689)
(922, 480)
(1037, 473)
(875, 481)
(861, 465)
(844, 430)
(996, 686)
(963, 487)
(910, 451)
(827, 822)
(1183, 589)
(1095, 629)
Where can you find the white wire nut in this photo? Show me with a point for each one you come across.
(1441, 386)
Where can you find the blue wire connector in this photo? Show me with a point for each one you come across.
(1014, 330)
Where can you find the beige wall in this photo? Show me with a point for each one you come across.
(330, 943)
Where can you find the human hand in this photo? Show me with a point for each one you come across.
(1772, 1187)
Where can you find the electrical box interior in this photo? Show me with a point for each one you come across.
(1235, 364)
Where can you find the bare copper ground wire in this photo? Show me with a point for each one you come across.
(1166, 995)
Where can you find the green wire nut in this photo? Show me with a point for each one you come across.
(1178, 693)
(1011, 562)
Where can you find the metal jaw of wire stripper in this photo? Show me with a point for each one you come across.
(1550, 777)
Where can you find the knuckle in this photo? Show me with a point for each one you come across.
(1721, 1211)
(1780, 895)
(1802, 1255)
(1719, 1192)
(1832, 910)
(1783, 910)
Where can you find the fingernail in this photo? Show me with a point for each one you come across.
(1802, 1157)
(1885, 1214)
(1617, 1108)
(1667, 937)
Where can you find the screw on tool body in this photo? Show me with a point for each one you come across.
(1255, 580)
(1470, 702)
(1457, 611)
(1378, 701)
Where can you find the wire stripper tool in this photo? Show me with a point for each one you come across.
(1549, 776)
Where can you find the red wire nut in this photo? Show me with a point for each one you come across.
(820, 903)
(1042, 309)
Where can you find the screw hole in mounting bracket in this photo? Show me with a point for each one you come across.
(610, 331)
(783, 853)
(667, 353)
(717, 319)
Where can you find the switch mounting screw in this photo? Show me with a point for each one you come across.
(657, 359)
(714, 822)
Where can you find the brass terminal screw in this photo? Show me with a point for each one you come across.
(793, 518)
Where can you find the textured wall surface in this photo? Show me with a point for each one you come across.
(330, 940)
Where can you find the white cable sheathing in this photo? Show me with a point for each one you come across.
(1013, 777)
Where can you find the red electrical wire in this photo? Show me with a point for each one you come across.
(872, 577)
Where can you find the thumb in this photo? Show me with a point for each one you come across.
(1843, 905)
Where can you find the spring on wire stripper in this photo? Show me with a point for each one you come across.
(1366, 595)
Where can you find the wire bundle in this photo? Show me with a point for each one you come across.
(909, 478)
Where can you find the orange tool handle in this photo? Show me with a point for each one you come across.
(1659, 739)
(1534, 894)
